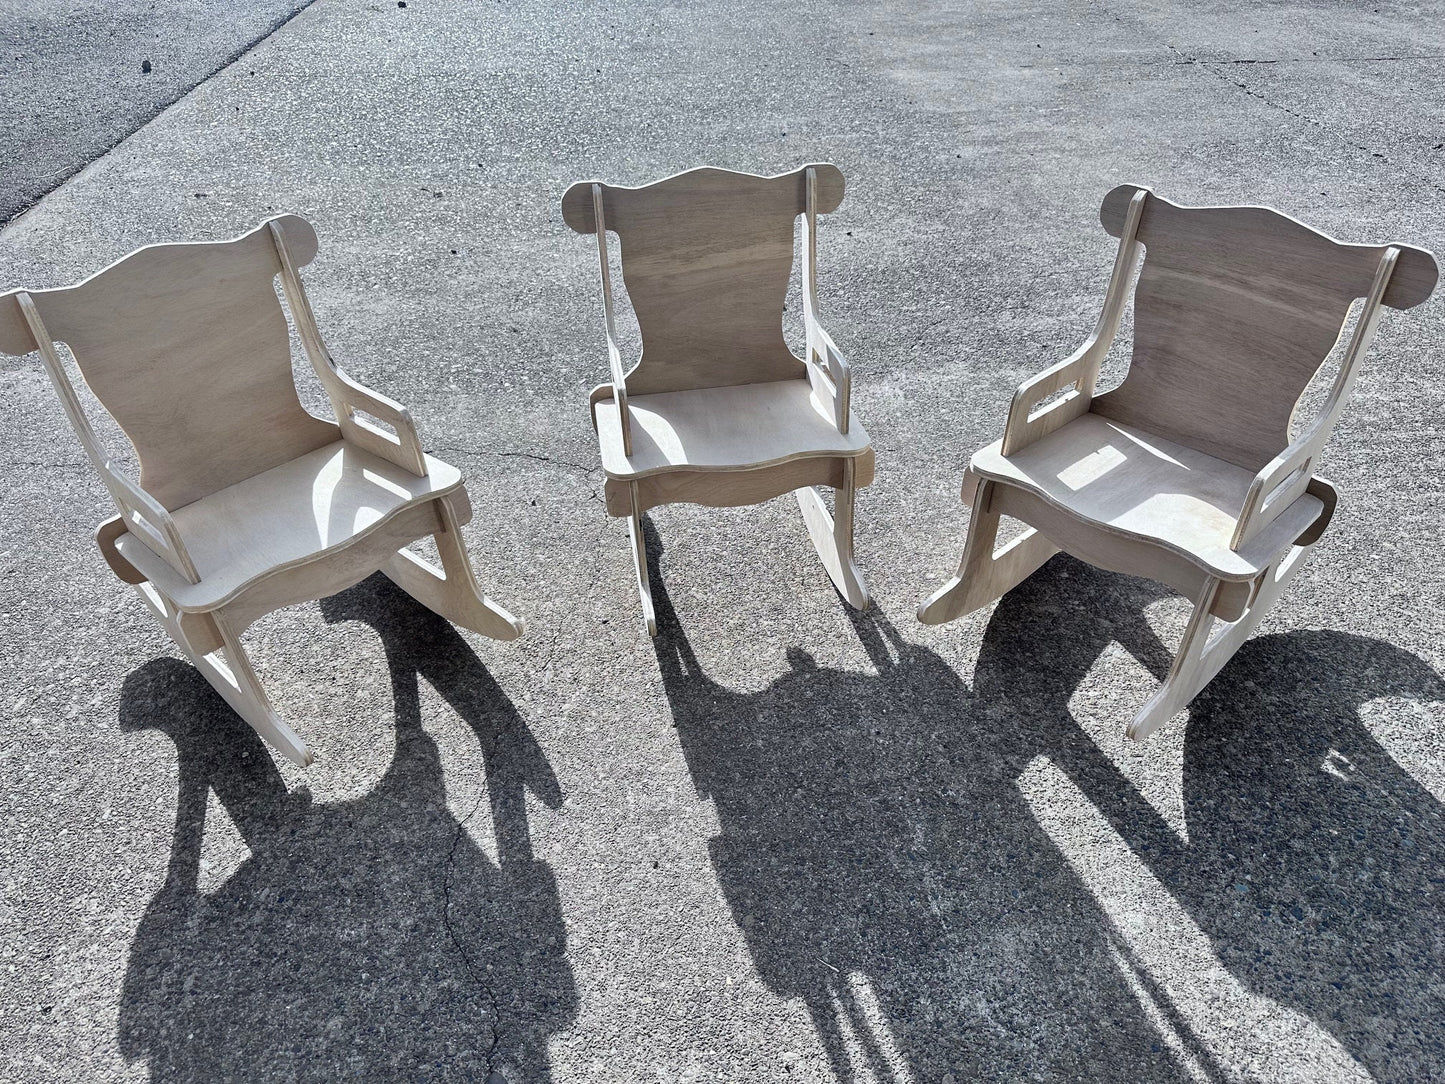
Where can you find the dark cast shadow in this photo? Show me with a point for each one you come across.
(1314, 861)
(365, 938)
(886, 870)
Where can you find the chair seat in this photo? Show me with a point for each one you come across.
(313, 505)
(1142, 486)
(724, 429)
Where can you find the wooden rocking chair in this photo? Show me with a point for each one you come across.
(718, 411)
(1185, 473)
(246, 502)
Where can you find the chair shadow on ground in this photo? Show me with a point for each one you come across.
(885, 868)
(369, 937)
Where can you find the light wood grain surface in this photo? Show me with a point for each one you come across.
(1234, 311)
(706, 257)
(312, 506)
(199, 317)
(725, 429)
(1186, 472)
(1137, 484)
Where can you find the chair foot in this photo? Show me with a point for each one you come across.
(986, 574)
(1204, 652)
(223, 661)
(451, 591)
(639, 562)
(832, 537)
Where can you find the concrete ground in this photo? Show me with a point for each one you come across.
(78, 77)
(782, 842)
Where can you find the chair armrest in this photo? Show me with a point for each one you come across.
(347, 396)
(149, 521)
(142, 514)
(1279, 483)
(619, 393)
(1081, 370)
(829, 373)
(1282, 480)
(614, 355)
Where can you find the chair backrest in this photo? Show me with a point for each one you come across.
(706, 258)
(1235, 309)
(187, 347)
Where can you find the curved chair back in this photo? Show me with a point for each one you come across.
(1235, 309)
(706, 258)
(187, 347)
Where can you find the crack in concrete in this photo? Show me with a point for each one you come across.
(548, 459)
(1308, 59)
(46, 466)
(1205, 65)
(452, 449)
(495, 1022)
(488, 750)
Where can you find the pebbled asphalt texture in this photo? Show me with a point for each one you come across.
(782, 841)
(78, 77)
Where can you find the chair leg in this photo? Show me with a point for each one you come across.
(214, 648)
(639, 561)
(451, 591)
(832, 537)
(986, 574)
(1203, 652)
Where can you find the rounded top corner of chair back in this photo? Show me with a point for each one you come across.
(301, 241)
(830, 186)
(577, 207)
(1416, 275)
(1115, 209)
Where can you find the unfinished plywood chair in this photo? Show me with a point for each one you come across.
(245, 502)
(1186, 473)
(718, 411)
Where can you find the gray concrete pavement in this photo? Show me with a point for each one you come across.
(781, 842)
(78, 77)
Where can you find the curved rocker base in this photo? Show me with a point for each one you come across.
(211, 640)
(986, 574)
(1203, 652)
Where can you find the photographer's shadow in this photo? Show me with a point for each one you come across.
(885, 869)
(369, 937)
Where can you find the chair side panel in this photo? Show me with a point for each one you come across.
(188, 348)
(706, 259)
(1235, 309)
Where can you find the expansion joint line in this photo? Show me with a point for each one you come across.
(62, 176)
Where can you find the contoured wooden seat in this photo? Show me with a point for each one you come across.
(245, 502)
(1186, 472)
(718, 411)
